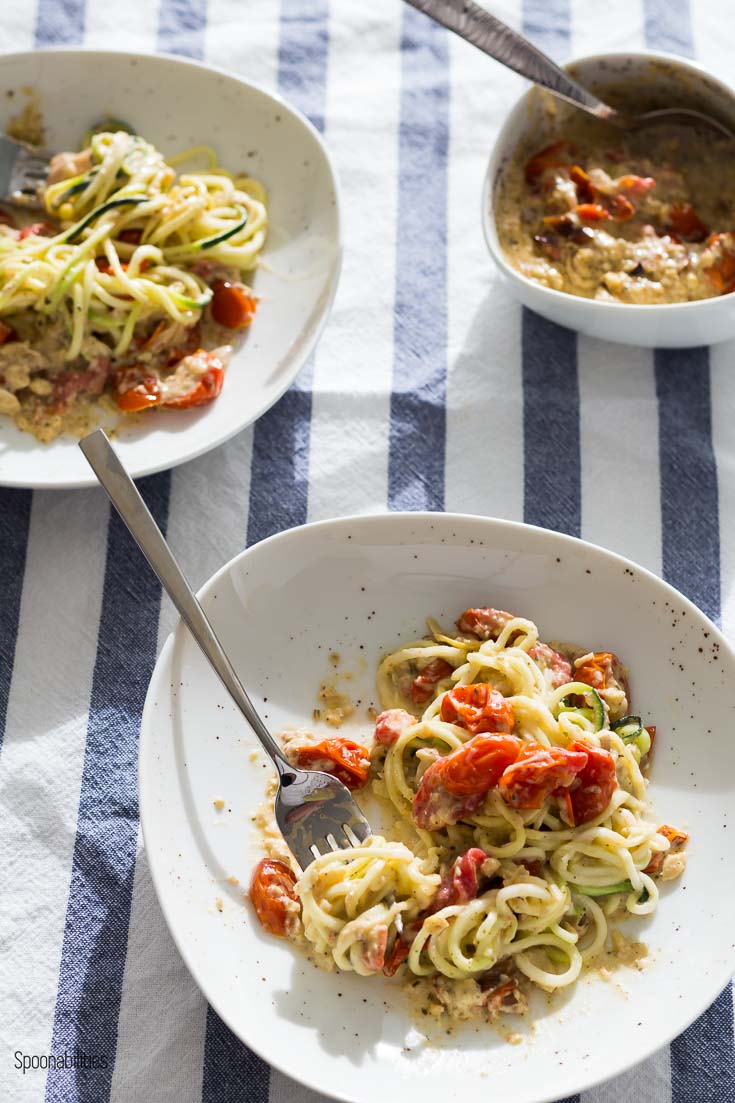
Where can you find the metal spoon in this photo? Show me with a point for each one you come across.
(510, 48)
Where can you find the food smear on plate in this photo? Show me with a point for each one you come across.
(516, 773)
(648, 217)
(129, 292)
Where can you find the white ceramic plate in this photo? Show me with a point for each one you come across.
(358, 586)
(177, 104)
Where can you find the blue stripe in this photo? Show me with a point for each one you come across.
(552, 493)
(703, 1057)
(59, 22)
(418, 401)
(98, 910)
(689, 496)
(15, 514)
(181, 27)
(279, 477)
(668, 26)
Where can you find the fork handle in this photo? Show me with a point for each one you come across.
(493, 37)
(126, 499)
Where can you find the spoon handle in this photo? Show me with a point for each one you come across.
(126, 499)
(510, 48)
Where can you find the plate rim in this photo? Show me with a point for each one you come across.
(306, 347)
(304, 1076)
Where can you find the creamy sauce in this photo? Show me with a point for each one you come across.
(640, 218)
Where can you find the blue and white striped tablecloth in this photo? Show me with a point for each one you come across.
(430, 389)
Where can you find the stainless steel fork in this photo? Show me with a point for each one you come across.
(23, 173)
(314, 811)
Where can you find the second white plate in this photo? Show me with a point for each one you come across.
(177, 104)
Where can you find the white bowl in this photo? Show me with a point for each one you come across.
(668, 325)
(177, 104)
(358, 586)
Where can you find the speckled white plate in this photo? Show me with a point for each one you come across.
(358, 586)
(177, 104)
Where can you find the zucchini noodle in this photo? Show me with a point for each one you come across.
(151, 226)
(546, 888)
(130, 295)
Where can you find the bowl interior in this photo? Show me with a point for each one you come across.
(178, 104)
(358, 587)
(634, 82)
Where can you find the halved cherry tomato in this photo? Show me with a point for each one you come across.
(396, 957)
(551, 156)
(478, 708)
(558, 665)
(594, 785)
(274, 896)
(7, 333)
(677, 839)
(621, 208)
(208, 387)
(685, 224)
(538, 772)
(460, 883)
(636, 185)
(423, 684)
(103, 265)
(486, 624)
(455, 786)
(602, 670)
(41, 229)
(592, 212)
(136, 388)
(476, 766)
(232, 305)
(722, 273)
(586, 193)
(347, 761)
(391, 725)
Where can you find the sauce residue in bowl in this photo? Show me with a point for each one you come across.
(645, 217)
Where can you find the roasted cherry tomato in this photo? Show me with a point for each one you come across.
(232, 305)
(721, 273)
(586, 193)
(592, 212)
(552, 662)
(594, 785)
(552, 156)
(636, 185)
(422, 687)
(7, 333)
(391, 725)
(538, 772)
(621, 208)
(455, 786)
(486, 624)
(677, 839)
(347, 761)
(461, 882)
(602, 670)
(478, 708)
(274, 896)
(136, 388)
(40, 229)
(206, 389)
(685, 224)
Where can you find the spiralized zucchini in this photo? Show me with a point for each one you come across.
(553, 886)
(130, 234)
